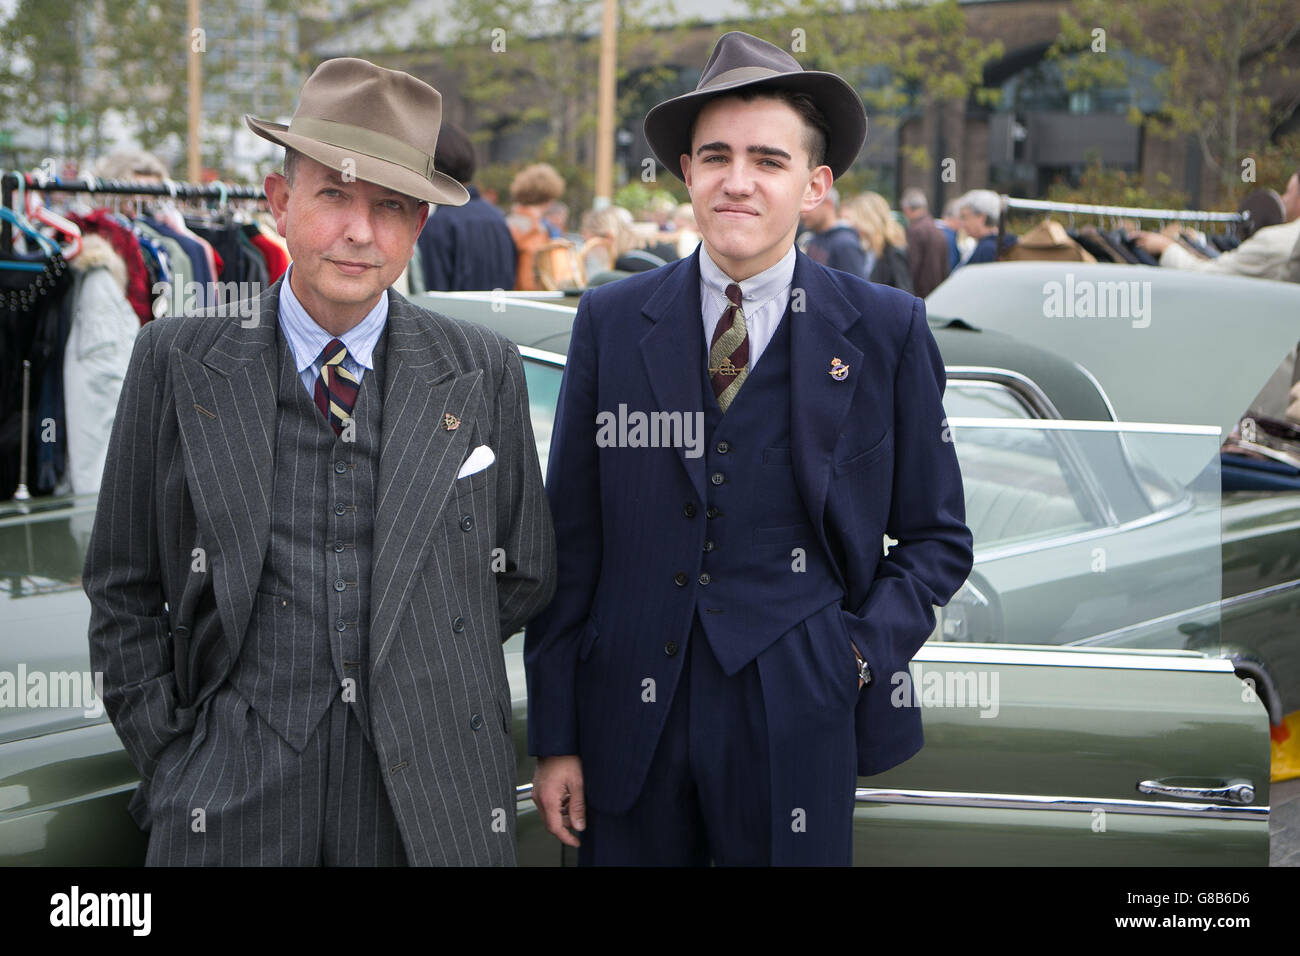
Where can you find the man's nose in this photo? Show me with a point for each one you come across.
(739, 180)
(358, 227)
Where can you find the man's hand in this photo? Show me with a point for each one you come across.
(557, 791)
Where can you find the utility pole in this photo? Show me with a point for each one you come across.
(194, 81)
(605, 106)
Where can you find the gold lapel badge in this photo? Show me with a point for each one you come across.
(450, 422)
(726, 368)
(838, 370)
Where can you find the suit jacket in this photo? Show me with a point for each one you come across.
(190, 466)
(870, 456)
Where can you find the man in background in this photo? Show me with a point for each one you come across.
(465, 248)
(834, 242)
(927, 246)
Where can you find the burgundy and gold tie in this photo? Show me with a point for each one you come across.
(336, 387)
(729, 351)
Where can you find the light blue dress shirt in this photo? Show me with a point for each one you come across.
(308, 340)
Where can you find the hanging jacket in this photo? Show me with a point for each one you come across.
(104, 327)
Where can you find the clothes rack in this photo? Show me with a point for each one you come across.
(10, 181)
(1125, 212)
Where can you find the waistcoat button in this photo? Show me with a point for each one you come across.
(338, 547)
(340, 625)
(467, 523)
(680, 578)
(670, 648)
(340, 467)
(340, 509)
(476, 722)
(689, 510)
(458, 625)
(712, 513)
(340, 585)
(723, 447)
(709, 545)
(718, 478)
(705, 578)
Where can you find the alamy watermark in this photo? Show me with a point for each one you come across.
(637, 429)
(918, 687)
(225, 299)
(1091, 299)
(59, 690)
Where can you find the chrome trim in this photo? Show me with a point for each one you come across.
(1021, 386)
(541, 355)
(1181, 506)
(1071, 424)
(1234, 791)
(1169, 659)
(523, 791)
(1018, 801)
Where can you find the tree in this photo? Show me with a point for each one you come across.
(1224, 80)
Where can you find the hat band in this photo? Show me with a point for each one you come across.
(742, 74)
(368, 142)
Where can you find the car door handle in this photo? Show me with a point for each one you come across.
(1234, 791)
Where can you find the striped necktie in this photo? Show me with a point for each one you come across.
(336, 387)
(729, 351)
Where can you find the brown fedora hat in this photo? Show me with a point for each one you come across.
(383, 122)
(740, 60)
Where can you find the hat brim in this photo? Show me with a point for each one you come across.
(442, 189)
(668, 125)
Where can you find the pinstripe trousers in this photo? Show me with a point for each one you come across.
(256, 787)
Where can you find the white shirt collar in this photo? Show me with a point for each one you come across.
(757, 288)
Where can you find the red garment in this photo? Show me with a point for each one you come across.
(124, 243)
(277, 260)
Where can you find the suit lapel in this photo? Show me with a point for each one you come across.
(225, 407)
(818, 401)
(419, 458)
(673, 351)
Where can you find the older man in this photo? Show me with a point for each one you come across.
(979, 212)
(317, 525)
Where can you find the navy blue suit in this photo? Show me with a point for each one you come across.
(658, 549)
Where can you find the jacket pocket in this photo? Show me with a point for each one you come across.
(863, 458)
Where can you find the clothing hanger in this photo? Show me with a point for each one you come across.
(39, 212)
(49, 247)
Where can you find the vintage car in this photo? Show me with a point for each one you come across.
(1099, 692)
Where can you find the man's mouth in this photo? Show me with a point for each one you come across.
(347, 267)
(735, 211)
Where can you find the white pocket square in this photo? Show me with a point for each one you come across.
(478, 459)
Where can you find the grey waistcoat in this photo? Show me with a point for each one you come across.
(307, 639)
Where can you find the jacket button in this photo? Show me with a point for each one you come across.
(182, 631)
(723, 447)
(689, 510)
(458, 625)
(340, 586)
(712, 513)
(717, 478)
(340, 625)
(709, 546)
(705, 578)
(476, 722)
(680, 578)
(340, 510)
(467, 523)
(670, 648)
(338, 547)
(340, 467)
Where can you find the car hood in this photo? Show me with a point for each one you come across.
(1190, 349)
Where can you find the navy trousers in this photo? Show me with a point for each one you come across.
(728, 787)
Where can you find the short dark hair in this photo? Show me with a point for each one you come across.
(815, 128)
(454, 154)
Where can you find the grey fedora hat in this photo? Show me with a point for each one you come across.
(381, 125)
(740, 60)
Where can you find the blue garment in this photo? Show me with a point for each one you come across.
(839, 248)
(639, 563)
(986, 248)
(200, 273)
(954, 253)
(467, 248)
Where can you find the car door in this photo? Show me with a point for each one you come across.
(1041, 747)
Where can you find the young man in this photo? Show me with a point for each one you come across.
(290, 576)
(715, 669)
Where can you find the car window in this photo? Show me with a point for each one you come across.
(1051, 568)
(543, 380)
(969, 398)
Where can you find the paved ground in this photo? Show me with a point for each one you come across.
(1284, 824)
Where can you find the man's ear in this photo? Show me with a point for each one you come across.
(685, 160)
(277, 196)
(819, 184)
(424, 217)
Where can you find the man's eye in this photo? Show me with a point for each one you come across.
(331, 192)
(717, 156)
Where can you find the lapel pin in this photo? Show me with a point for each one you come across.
(450, 422)
(838, 370)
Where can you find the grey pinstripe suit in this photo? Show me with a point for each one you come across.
(191, 465)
